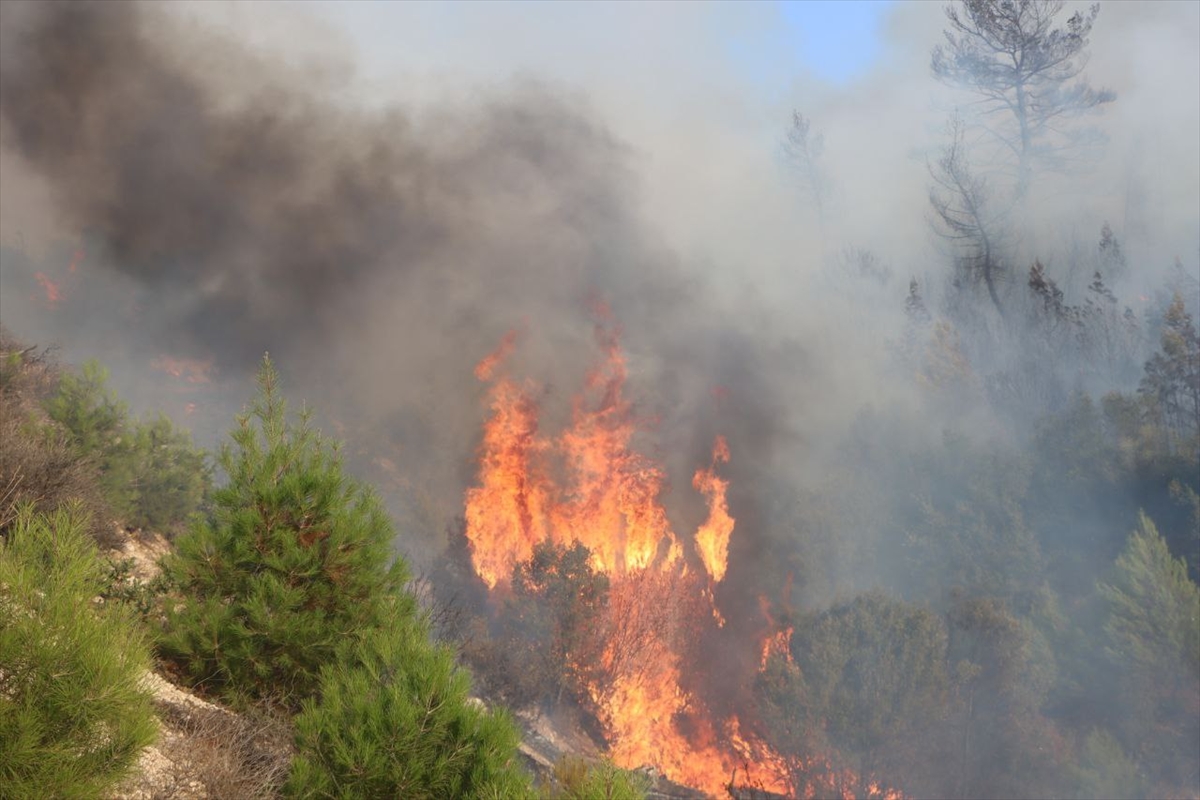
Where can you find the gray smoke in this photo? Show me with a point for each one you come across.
(375, 254)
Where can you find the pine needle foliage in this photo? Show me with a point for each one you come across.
(1154, 608)
(1153, 632)
(295, 561)
(149, 471)
(576, 778)
(397, 720)
(73, 714)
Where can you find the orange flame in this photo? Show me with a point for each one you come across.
(777, 639)
(506, 515)
(51, 288)
(191, 370)
(712, 540)
(609, 501)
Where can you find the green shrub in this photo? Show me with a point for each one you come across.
(73, 717)
(149, 471)
(1105, 770)
(295, 561)
(396, 720)
(122, 585)
(578, 779)
(86, 407)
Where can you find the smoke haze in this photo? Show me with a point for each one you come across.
(239, 187)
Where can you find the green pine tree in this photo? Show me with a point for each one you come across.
(1172, 378)
(1154, 608)
(150, 473)
(397, 720)
(73, 714)
(1153, 630)
(295, 562)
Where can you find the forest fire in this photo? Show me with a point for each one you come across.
(609, 499)
(589, 486)
(190, 370)
(50, 288)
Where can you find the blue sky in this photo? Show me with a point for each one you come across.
(833, 40)
(836, 39)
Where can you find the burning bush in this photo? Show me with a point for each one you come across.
(556, 610)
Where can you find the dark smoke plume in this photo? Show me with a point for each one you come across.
(376, 253)
(265, 215)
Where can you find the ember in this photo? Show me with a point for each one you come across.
(190, 370)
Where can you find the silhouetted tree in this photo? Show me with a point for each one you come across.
(803, 148)
(557, 601)
(917, 320)
(1024, 71)
(1172, 379)
(963, 215)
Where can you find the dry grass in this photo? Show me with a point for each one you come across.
(232, 756)
(37, 465)
(26, 372)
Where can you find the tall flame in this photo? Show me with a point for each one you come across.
(712, 540)
(609, 500)
(506, 515)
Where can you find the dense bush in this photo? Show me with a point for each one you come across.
(26, 371)
(295, 563)
(558, 600)
(867, 678)
(149, 471)
(38, 463)
(396, 720)
(41, 468)
(73, 716)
